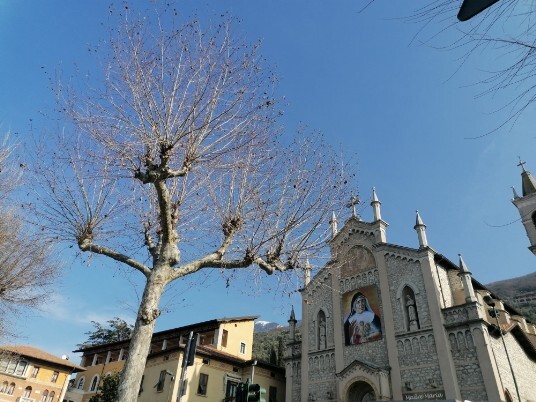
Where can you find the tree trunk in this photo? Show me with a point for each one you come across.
(140, 342)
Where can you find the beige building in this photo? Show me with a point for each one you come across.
(223, 359)
(28, 374)
(391, 323)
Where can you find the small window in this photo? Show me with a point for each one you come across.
(51, 396)
(206, 361)
(242, 348)
(161, 381)
(35, 372)
(11, 388)
(80, 383)
(224, 338)
(94, 384)
(27, 392)
(3, 388)
(44, 396)
(55, 375)
(203, 382)
(21, 368)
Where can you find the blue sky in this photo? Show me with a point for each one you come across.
(401, 108)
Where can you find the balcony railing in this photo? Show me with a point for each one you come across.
(25, 399)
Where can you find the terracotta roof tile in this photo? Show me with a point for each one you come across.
(30, 351)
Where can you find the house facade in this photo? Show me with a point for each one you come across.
(223, 359)
(28, 374)
(388, 322)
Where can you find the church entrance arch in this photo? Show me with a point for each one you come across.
(360, 391)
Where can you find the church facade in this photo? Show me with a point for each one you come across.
(386, 322)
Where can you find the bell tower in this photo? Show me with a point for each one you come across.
(526, 204)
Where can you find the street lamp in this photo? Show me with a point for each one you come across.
(494, 313)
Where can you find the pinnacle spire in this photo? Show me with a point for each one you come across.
(465, 277)
(292, 315)
(420, 228)
(333, 223)
(307, 271)
(463, 267)
(418, 220)
(375, 203)
(516, 195)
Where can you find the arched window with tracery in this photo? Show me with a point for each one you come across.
(410, 309)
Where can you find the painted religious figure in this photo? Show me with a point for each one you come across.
(362, 323)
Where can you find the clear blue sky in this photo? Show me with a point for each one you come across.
(399, 107)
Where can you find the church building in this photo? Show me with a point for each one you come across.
(383, 322)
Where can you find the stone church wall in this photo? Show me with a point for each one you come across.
(405, 272)
(465, 359)
(444, 286)
(524, 367)
(418, 360)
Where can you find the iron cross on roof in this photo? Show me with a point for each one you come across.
(521, 163)
(354, 200)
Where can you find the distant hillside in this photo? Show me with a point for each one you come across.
(509, 289)
(515, 286)
(262, 326)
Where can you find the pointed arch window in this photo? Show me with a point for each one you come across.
(410, 309)
(321, 330)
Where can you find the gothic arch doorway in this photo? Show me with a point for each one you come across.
(361, 391)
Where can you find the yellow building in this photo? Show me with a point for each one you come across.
(28, 374)
(223, 359)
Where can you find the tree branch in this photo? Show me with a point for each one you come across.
(86, 245)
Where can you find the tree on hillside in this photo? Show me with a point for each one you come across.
(26, 270)
(118, 330)
(177, 166)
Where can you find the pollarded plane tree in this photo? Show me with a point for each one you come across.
(177, 153)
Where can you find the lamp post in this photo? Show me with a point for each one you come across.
(494, 313)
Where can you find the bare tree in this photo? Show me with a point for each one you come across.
(177, 166)
(26, 270)
(505, 32)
